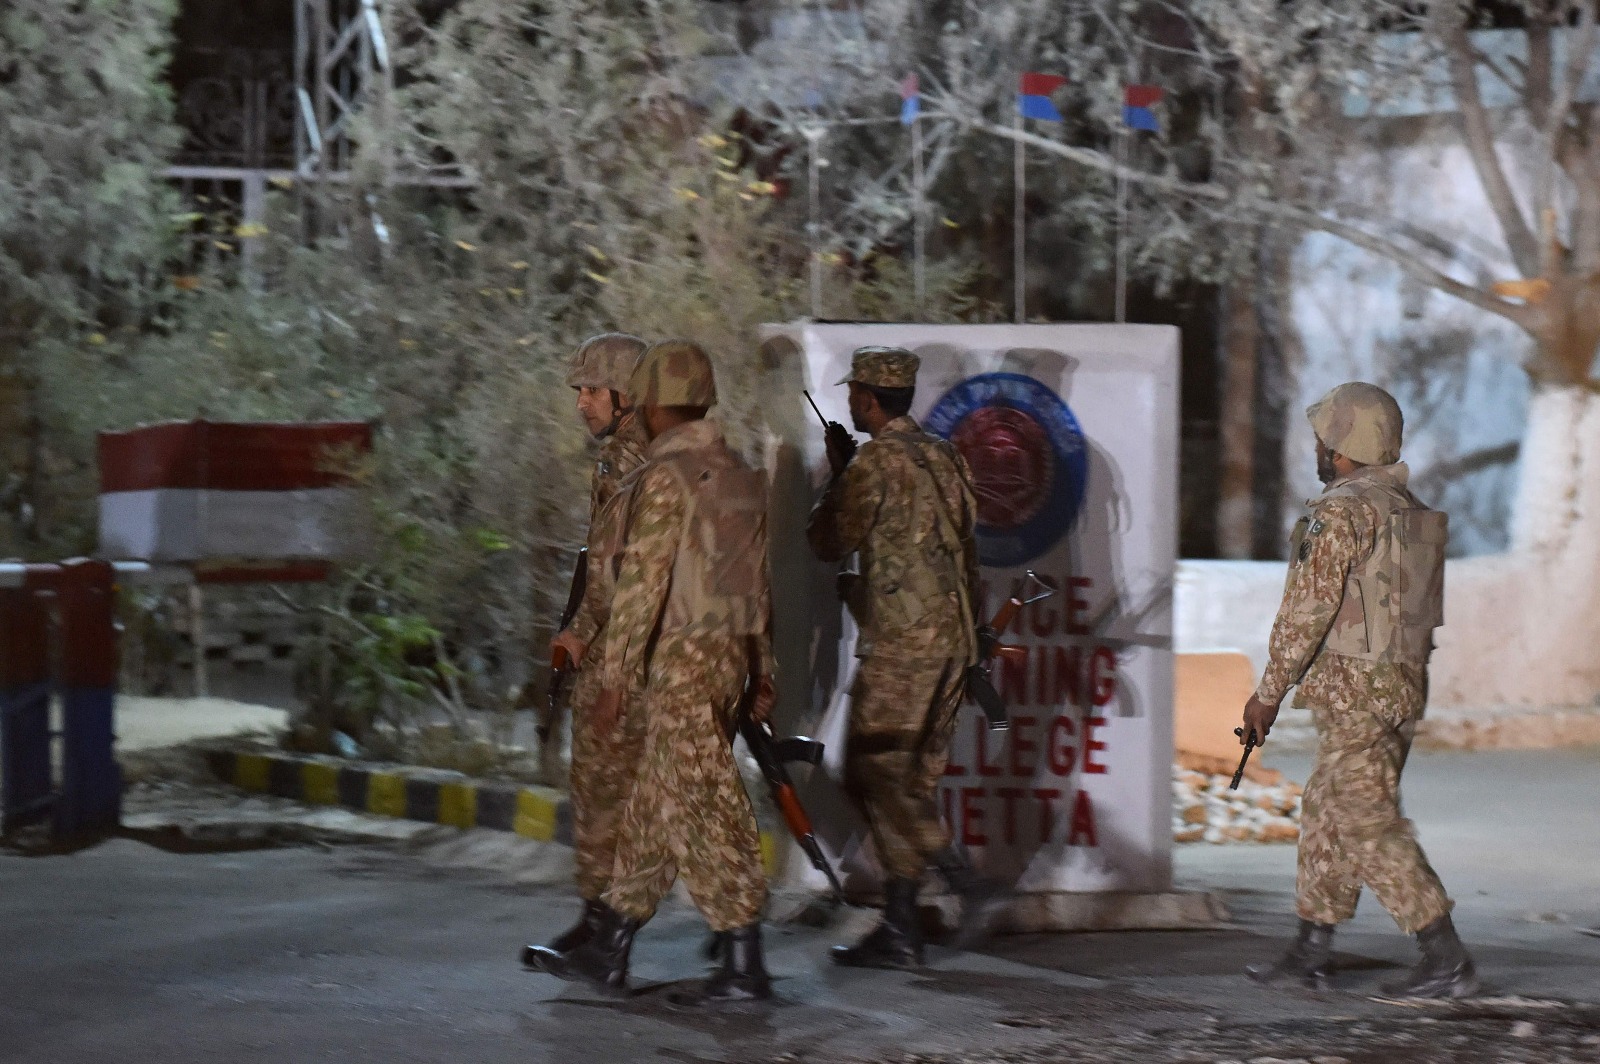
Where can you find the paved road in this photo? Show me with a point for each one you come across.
(128, 952)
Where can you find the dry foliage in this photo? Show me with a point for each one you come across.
(605, 199)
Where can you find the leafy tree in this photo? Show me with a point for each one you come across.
(1270, 109)
(86, 125)
(1277, 158)
(608, 192)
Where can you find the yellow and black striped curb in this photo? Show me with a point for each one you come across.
(541, 813)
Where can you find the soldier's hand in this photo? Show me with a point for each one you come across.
(841, 446)
(766, 698)
(575, 647)
(1259, 718)
(606, 710)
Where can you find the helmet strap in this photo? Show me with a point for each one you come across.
(618, 412)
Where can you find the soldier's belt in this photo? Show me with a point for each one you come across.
(866, 744)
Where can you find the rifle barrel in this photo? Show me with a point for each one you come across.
(819, 861)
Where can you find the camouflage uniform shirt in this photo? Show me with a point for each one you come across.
(620, 454)
(1343, 532)
(866, 510)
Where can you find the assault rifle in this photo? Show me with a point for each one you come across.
(771, 756)
(979, 686)
(561, 664)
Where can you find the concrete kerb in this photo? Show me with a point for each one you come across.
(435, 796)
(543, 814)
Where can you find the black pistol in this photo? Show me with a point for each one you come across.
(1249, 745)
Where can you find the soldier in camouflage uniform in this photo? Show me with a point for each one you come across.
(905, 505)
(1355, 630)
(689, 629)
(601, 770)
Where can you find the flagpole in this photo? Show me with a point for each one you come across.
(1122, 220)
(813, 135)
(1019, 265)
(919, 222)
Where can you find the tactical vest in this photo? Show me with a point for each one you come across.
(895, 590)
(720, 570)
(1395, 598)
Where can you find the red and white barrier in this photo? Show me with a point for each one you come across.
(194, 491)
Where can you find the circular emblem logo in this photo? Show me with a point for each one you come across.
(1029, 462)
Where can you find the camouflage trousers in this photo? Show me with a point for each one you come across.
(902, 714)
(1352, 832)
(602, 774)
(688, 812)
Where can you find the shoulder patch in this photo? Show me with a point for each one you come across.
(1316, 527)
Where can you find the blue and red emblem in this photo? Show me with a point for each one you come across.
(1029, 462)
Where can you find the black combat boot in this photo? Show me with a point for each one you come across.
(977, 893)
(1445, 970)
(603, 960)
(894, 943)
(1309, 960)
(549, 958)
(742, 975)
(715, 946)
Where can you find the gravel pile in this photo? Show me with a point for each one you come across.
(1205, 810)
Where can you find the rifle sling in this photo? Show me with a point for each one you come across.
(950, 534)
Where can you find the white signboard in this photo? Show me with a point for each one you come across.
(1071, 432)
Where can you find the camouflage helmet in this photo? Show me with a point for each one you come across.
(1360, 421)
(605, 361)
(674, 373)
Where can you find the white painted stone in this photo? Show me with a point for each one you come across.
(148, 723)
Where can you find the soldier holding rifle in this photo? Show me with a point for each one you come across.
(905, 505)
(1354, 632)
(690, 630)
(602, 763)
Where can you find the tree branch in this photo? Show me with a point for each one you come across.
(1536, 83)
(1554, 123)
(1479, 138)
(1516, 80)
(1429, 275)
(1302, 217)
(1585, 173)
(1098, 161)
(1436, 477)
(1579, 57)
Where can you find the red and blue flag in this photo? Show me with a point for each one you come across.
(1033, 96)
(1137, 101)
(910, 99)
